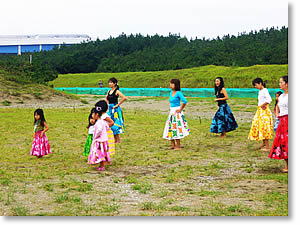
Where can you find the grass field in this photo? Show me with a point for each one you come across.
(208, 177)
(198, 77)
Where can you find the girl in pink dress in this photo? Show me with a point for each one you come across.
(99, 153)
(40, 145)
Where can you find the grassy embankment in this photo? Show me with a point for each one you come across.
(234, 77)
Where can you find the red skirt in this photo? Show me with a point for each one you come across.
(280, 145)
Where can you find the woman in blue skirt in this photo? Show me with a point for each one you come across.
(114, 109)
(223, 120)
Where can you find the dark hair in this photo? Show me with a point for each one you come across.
(285, 79)
(115, 81)
(258, 81)
(41, 114)
(100, 107)
(221, 85)
(276, 102)
(90, 117)
(177, 84)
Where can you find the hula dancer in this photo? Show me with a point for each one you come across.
(114, 109)
(89, 139)
(262, 123)
(99, 153)
(176, 125)
(111, 141)
(40, 145)
(280, 145)
(223, 120)
(276, 114)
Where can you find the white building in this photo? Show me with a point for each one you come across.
(18, 44)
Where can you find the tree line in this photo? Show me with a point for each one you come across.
(154, 53)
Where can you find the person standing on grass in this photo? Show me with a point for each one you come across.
(223, 120)
(280, 145)
(110, 135)
(262, 123)
(99, 153)
(176, 126)
(114, 109)
(89, 139)
(276, 102)
(40, 145)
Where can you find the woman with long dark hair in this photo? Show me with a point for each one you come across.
(114, 109)
(280, 145)
(223, 120)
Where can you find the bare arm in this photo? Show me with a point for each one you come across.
(223, 91)
(106, 98)
(123, 98)
(45, 129)
(110, 121)
(182, 107)
(277, 111)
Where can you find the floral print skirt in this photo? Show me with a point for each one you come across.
(280, 145)
(262, 125)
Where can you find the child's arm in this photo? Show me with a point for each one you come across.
(45, 129)
(110, 121)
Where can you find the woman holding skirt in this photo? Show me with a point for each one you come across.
(176, 126)
(223, 120)
(114, 109)
(280, 145)
(262, 123)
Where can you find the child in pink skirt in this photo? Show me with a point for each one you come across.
(40, 145)
(99, 153)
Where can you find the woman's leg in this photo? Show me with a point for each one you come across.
(286, 169)
(172, 144)
(178, 144)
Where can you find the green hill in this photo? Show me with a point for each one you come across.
(198, 77)
(15, 92)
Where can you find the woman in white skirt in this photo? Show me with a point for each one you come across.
(176, 125)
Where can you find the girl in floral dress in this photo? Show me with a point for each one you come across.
(89, 139)
(40, 145)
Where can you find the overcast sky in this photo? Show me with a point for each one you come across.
(104, 18)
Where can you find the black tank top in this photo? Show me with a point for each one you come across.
(220, 95)
(112, 98)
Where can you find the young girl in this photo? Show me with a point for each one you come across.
(110, 134)
(176, 126)
(223, 120)
(89, 139)
(276, 102)
(114, 110)
(262, 123)
(40, 145)
(99, 148)
(280, 145)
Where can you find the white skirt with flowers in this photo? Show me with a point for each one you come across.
(176, 125)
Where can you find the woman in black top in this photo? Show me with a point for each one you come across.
(223, 120)
(114, 109)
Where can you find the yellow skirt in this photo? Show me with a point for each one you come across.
(262, 125)
(111, 142)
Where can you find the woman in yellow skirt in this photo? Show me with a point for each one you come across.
(262, 123)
